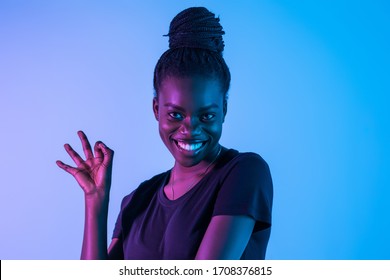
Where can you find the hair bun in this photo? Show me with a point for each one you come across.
(196, 27)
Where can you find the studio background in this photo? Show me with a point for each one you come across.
(309, 92)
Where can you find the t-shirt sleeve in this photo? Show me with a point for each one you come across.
(117, 233)
(247, 190)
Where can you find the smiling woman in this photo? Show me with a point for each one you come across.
(215, 203)
(190, 112)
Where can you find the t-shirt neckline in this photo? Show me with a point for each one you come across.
(168, 202)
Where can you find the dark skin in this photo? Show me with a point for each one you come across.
(190, 112)
(94, 177)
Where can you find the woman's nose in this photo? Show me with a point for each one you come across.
(190, 127)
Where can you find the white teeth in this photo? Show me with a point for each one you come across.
(189, 147)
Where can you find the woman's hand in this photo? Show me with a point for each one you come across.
(94, 173)
(94, 176)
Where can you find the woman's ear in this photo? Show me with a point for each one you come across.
(155, 107)
(224, 109)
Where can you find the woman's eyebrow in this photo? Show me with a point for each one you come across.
(213, 105)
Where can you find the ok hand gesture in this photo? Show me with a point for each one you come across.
(94, 173)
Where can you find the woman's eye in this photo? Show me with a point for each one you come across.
(207, 117)
(175, 115)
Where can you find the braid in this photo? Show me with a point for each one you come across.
(196, 27)
(195, 48)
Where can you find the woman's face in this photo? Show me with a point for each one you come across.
(190, 112)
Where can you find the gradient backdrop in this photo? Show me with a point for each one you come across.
(310, 93)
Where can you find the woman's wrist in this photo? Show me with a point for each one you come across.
(96, 203)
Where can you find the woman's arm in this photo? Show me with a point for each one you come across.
(226, 238)
(93, 174)
(247, 190)
(95, 230)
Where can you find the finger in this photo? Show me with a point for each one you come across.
(86, 145)
(74, 155)
(108, 154)
(98, 150)
(67, 168)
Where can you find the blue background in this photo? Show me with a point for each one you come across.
(310, 93)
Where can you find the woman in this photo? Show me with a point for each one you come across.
(215, 203)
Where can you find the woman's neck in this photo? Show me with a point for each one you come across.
(183, 172)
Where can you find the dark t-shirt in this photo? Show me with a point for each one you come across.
(150, 226)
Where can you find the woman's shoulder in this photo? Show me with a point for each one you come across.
(145, 189)
(156, 180)
(245, 166)
(234, 157)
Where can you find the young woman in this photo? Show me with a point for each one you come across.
(215, 203)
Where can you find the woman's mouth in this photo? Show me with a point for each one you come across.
(190, 146)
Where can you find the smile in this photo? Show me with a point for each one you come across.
(190, 147)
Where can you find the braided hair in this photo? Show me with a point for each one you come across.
(195, 48)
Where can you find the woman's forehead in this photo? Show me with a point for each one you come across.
(191, 92)
(173, 87)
